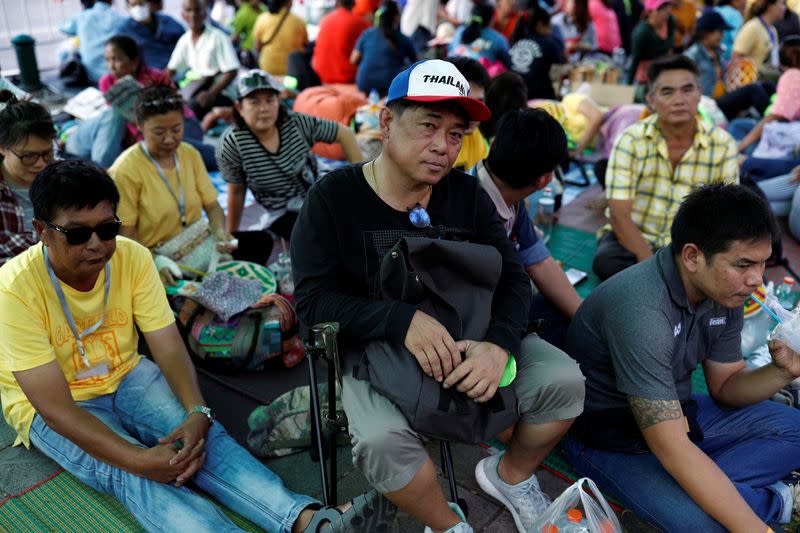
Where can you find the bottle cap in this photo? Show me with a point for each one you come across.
(548, 190)
(789, 280)
(549, 528)
(574, 515)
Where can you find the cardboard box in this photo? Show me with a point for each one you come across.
(608, 94)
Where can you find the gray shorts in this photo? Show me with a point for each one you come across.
(549, 387)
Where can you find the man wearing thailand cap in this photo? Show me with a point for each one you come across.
(350, 219)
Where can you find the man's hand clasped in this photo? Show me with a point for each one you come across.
(477, 374)
(178, 456)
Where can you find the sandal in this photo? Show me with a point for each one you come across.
(370, 512)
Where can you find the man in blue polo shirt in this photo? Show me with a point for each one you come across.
(509, 175)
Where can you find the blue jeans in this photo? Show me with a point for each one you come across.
(739, 128)
(144, 409)
(554, 322)
(761, 168)
(756, 447)
(779, 191)
(99, 139)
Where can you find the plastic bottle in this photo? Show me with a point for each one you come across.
(618, 58)
(786, 293)
(564, 90)
(284, 275)
(572, 522)
(545, 213)
(374, 97)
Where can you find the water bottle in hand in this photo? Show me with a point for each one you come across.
(545, 214)
(786, 293)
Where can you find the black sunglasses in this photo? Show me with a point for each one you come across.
(81, 234)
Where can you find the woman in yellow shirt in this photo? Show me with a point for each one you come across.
(276, 34)
(164, 187)
(757, 40)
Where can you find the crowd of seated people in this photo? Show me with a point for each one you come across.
(468, 125)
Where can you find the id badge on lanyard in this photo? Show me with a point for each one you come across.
(88, 370)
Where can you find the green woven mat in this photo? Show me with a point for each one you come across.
(575, 249)
(63, 503)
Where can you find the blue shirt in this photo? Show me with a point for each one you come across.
(93, 27)
(491, 45)
(707, 66)
(380, 61)
(530, 248)
(519, 227)
(156, 45)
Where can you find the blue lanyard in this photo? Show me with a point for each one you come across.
(769, 31)
(68, 314)
(179, 200)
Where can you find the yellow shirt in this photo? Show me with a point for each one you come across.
(291, 36)
(567, 113)
(639, 170)
(144, 200)
(754, 42)
(473, 150)
(36, 331)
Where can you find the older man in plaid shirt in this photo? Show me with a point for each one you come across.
(658, 161)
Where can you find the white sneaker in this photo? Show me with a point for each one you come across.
(461, 527)
(525, 501)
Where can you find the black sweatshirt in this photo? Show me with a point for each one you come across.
(345, 229)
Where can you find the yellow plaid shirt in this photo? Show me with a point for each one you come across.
(639, 169)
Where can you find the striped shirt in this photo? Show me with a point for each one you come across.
(275, 178)
(639, 169)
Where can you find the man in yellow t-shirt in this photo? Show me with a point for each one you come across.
(73, 384)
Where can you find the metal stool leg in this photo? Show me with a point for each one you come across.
(318, 444)
(449, 471)
(322, 343)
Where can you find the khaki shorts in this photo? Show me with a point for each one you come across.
(549, 387)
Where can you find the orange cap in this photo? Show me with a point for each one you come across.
(574, 515)
(550, 528)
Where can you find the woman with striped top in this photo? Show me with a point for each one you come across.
(268, 150)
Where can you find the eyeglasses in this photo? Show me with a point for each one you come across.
(158, 102)
(30, 158)
(81, 234)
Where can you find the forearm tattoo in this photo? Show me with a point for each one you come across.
(650, 412)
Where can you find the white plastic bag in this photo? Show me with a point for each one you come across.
(598, 517)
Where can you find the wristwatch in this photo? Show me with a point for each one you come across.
(203, 410)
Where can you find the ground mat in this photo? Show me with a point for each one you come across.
(65, 504)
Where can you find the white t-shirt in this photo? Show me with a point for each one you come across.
(419, 13)
(211, 55)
